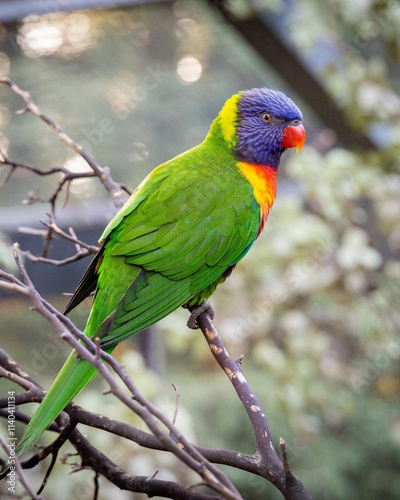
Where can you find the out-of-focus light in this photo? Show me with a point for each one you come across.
(139, 152)
(187, 29)
(76, 164)
(82, 188)
(39, 40)
(77, 34)
(67, 35)
(180, 9)
(189, 69)
(119, 95)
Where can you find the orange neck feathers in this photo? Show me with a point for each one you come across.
(263, 179)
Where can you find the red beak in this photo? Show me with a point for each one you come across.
(293, 137)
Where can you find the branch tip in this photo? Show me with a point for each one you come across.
(154, 475)
(177, 396)
(290, 479)
(240, 359)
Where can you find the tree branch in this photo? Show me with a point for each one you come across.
(19, 470)
(102, 173)
(82, 249)
(273, 468)
(115, 189)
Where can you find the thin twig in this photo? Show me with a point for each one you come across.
(103, 174)
(17, 464)
(96, 485)
(70, 237)
(82, 249)
(177, 396)
(55, 448)
(290, 479)
(56, 262)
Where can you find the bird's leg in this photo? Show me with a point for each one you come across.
(195, 312)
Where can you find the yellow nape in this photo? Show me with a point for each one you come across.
(229, 117)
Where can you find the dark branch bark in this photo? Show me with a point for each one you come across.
(91, 457)
(270, 465)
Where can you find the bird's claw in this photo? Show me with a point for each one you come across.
(206, 307)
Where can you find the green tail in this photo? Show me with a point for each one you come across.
(73, 377)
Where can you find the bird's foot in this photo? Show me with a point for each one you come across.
(206, 307)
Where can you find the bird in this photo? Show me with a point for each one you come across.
(180, 234)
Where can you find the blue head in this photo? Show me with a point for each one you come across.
(268, 123)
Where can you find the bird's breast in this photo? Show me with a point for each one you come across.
(263, 180)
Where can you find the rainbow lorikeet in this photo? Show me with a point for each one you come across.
(181, 232)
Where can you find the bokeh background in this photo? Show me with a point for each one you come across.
(314, 307)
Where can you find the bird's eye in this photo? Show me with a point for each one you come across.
(266, 117)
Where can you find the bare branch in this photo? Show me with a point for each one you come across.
(70, 237)
(91, 457)
(54, 262)
(68, 177)
(290, 486)
(17, 464)
(290, 479)
(82, 249)
(102, 173)
(264, 463)
(43, 172)
(10, 282)
(15, 378)
(177, 396)
(249, 463)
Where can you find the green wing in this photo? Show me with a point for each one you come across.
(178, 234)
